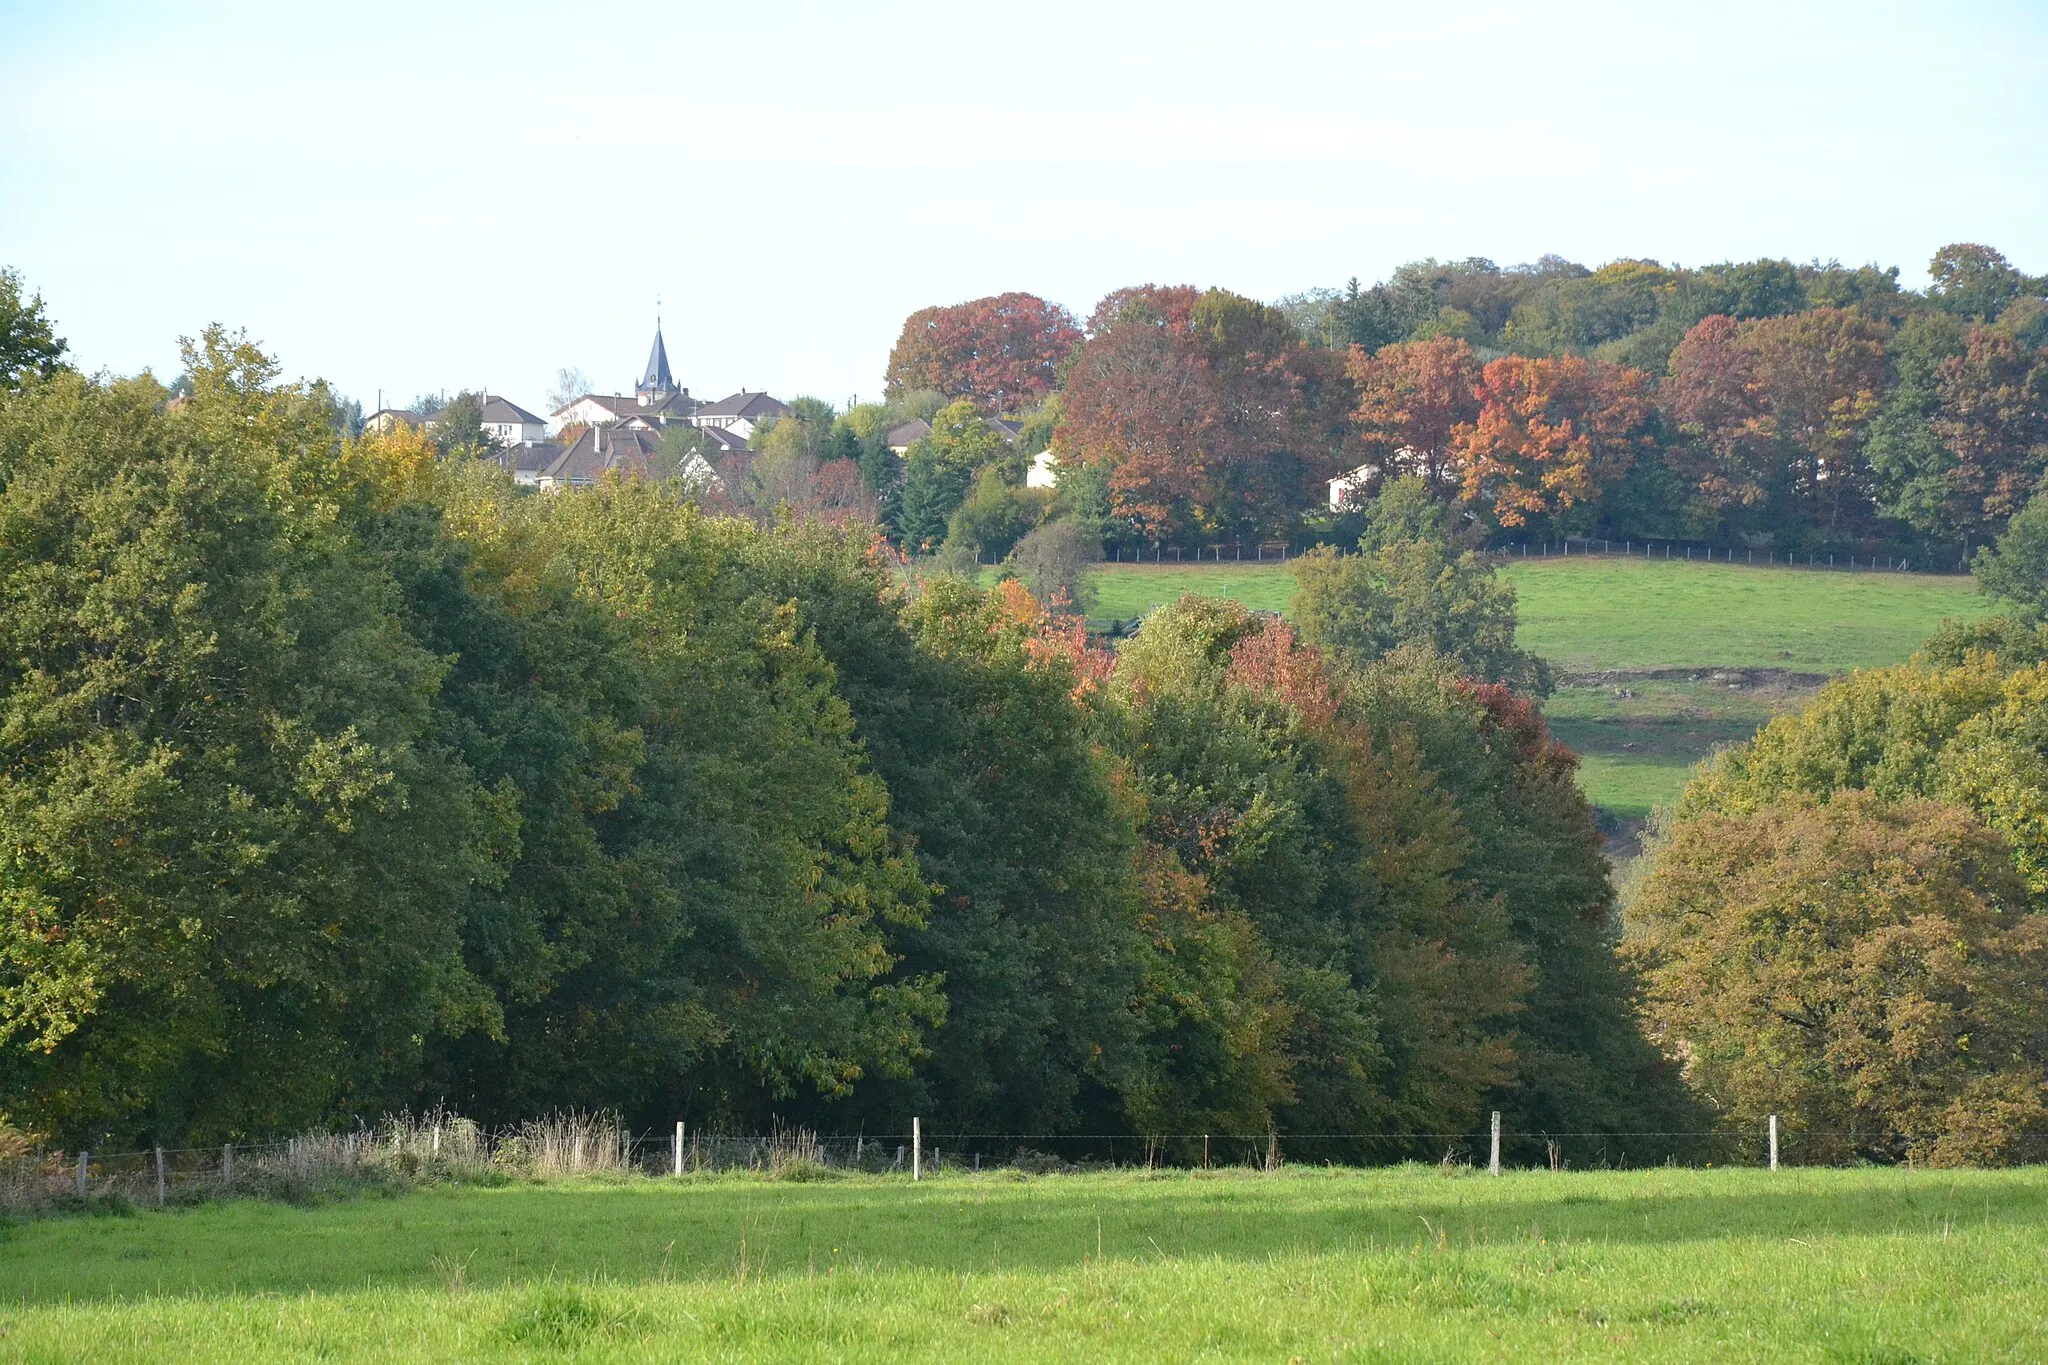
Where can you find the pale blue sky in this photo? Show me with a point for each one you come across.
(419, 196)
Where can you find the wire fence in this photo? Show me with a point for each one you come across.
(1701, 552)
(442, 1147)
(1571, 547)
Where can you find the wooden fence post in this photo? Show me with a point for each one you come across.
(160, 1189)
(1493, 1162)
(917, 1149)
(1774, 1142)
(83, 1156)
(227, 1165)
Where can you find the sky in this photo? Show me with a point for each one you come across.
(411, 198)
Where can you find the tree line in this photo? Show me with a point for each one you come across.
(339, 776)
(1799, 409)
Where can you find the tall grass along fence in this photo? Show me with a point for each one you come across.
(407, 1151)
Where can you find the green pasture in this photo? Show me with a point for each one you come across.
(1603, 612)
(1607, 613)
(1405, 1263)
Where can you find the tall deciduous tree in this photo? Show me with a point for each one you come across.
(29, 345)
(1992, 419)
(1868, 969)
(1214, 419)
(1820, 375)
(1001, 353)
(1716, 406)
(1413, 400)
(1552, 434)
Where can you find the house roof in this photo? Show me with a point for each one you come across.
(626, 449)
(721, 440)
(1010, 429)
(903, 433)
(531, 459)
(503, 410)
(744, 404)
(622, 405)
(405, 415)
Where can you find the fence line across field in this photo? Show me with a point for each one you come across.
(1567, 548)
(595, 1144)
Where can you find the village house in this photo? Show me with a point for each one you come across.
(742, 413)
(511, 425)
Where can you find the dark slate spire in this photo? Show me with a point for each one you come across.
(657, 380)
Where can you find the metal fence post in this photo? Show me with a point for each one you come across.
(917, 1149)
(679, 1146)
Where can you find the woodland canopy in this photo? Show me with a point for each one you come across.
(338, 776)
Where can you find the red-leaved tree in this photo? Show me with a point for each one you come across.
(1003, 352)
(1716, 406)
(1214, 419)
(1994, 420)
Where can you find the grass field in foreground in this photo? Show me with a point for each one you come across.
(1601, 613)
(1404, 1263)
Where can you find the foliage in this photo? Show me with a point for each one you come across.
(1213, 419)
(2016, 568)
(1000, 353)
(29, 344)
(1866, 968)
(1845, 920)
(224, 913)
(1413, 401)
(1407, 586)
(1055, 561)
(995, 515)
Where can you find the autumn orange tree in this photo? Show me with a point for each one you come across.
(1214, 419)
(1414, 401)
(1551, 435)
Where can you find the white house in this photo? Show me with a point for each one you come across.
(384, 419)
(1350, 488)
(742, 413)
(1044, 473)
(511, 425)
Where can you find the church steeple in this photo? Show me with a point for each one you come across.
(657, 385)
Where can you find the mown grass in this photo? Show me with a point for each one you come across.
(1600, 613)
(1404, 1263)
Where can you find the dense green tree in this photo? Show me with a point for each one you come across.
(995, 515)
(2016, 568)
(232, 839)
(29, 344)
(1055, 561)
(1973, 281)
(458, 428)
(1406, 586)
